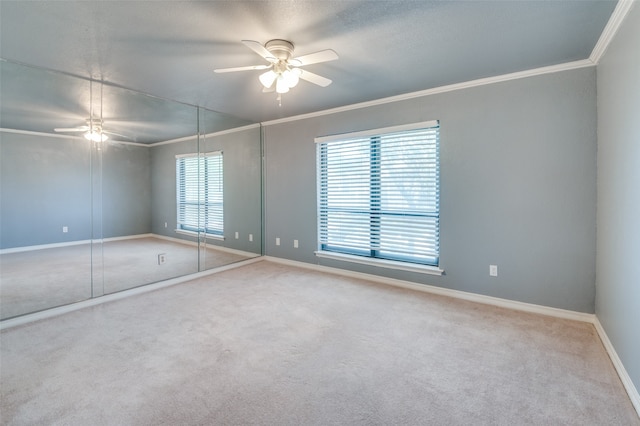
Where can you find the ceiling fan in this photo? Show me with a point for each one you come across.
(93, 130)
(284, 71)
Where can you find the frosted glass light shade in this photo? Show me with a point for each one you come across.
(96, 136)
(281, 85)
(291, 77)
(268, 78)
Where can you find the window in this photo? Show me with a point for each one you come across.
(378, 194)
(199, 189)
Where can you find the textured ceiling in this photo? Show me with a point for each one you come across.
(169, 49)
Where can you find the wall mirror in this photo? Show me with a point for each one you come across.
(103, 189)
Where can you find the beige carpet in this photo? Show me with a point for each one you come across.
(34, 280)
(266, 344)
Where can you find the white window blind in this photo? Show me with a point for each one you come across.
(378, 194)
(199, 190)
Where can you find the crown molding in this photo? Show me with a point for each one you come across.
(442, 89)
(61, 136)
(119, 142)
(31, 133)
(208, 135)
(619, 13)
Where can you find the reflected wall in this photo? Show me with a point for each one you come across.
(41, 207)
(81, 218)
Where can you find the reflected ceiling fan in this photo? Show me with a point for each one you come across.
(284, 71)
(93, 130)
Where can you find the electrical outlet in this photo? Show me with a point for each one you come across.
(165, 224)
(237, 235)
(162, 258)
(277, 241)
(295, 243)
(65, 229)
(250, 237)
(493, 270)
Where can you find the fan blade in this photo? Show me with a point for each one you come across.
(259, 49)
(317, 57)
(248, 68)
(73, 129)
(314, 78)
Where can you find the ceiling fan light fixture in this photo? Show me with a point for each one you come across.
(291, 77)
(268, 78)
(95, 136)
(281, 84)
(283, 72)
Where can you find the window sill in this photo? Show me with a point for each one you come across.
(382, 263)
(196, 234)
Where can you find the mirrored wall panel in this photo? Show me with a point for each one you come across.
(232, 192)
(104, 189)
(45, 191)
(131, 252)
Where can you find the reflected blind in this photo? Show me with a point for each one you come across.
(199, 189)
(378, 195)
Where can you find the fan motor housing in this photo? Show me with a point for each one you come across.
(281, 49)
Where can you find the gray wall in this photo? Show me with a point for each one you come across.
(47, 184)
(518, 186)
(163, 186)
(618, 261)
(126, 190)
(242, 187)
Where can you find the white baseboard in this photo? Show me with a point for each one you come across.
(488, 300)
(472, 297)
(175, 240)
(208, 246)
(632, 391)
(126, 237)
(53, 312)
(43, 246)
(233, 251)
(71, 243)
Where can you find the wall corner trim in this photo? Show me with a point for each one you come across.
(634, 396)
(619, 13)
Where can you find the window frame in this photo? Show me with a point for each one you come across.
(204, 202)
(369, 255)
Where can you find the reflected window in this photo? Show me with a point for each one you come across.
(199, 190)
